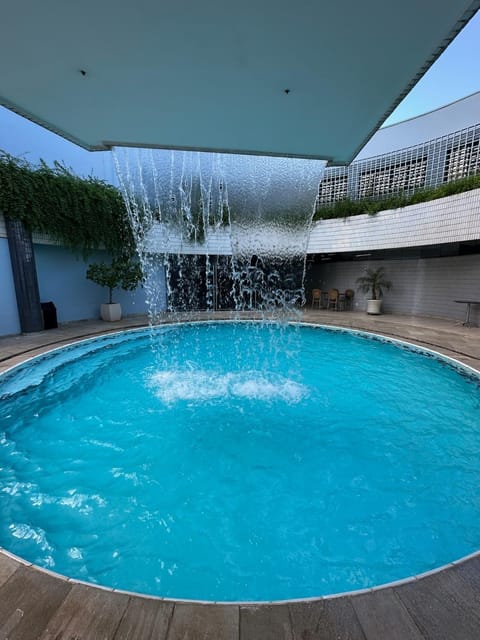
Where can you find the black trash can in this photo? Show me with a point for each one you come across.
(49, 313)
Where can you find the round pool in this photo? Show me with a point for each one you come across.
(240, 461)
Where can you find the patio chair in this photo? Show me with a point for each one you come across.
(348, 299)
(316, 297)
(332, 300)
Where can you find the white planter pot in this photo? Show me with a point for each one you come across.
(111, 312)
(374, 307)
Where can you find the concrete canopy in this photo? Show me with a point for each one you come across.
(305, 78)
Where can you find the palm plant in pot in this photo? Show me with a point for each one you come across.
(374, 281)
(122, 272)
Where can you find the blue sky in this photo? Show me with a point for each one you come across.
(454, 75)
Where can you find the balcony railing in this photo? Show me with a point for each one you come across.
(405, 171)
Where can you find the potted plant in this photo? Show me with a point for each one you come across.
(375, 281)
(123, 273)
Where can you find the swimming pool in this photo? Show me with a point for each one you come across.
(241, 462)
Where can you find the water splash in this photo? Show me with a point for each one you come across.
(204, 385)
(219, 231)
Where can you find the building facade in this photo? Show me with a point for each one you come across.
(431, 250)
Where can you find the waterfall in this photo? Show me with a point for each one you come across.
(219, 231)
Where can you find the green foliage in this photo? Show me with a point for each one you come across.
(371, 206)
(83, 214)
(375, 281)
(122, 272)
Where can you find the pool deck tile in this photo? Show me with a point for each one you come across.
(88, 613)
(441, 605)
(383, 615)
(7, 567)
(28, 600)
(268, 621)
(193, 621)
(145, 619)
(469, 571)
(326, 619)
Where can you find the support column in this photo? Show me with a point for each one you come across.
(24, 276)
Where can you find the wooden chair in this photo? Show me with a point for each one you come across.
(316, 297)
(332, 300)
(348, 299)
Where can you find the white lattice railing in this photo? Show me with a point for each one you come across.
(407, 170)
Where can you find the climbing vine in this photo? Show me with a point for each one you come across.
(83, 214)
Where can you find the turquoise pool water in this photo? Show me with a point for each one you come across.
(236, 461)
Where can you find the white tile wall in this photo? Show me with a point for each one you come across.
(452, 219)
(427, 286)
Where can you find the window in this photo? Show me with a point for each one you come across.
(395, 178)
(409, 176)
(332, 189)
(462, 161)
(374, 182)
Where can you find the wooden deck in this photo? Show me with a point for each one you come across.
(36, 604)
(441, 605)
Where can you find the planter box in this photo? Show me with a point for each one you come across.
(374, 307)
(111, 312)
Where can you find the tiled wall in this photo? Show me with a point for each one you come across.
(425, 287)
(451, 219)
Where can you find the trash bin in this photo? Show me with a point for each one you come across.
(49, 313)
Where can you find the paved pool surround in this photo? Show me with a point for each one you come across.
(441, 604)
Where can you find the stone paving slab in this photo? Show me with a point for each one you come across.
(326, 619)
(469, 571)
(7, 567)
(383, 615)
(269, 622)
(443, 606)
(28, 599)
(205, 621)
(96, 612)
(145, 619)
